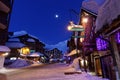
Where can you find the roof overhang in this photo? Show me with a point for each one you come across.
(4, 49)
(108, 18)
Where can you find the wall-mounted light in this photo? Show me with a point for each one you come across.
(84, 19)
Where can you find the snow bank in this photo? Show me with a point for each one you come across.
(19, 63)
(74, 67)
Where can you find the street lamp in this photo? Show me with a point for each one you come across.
(73, 27)
(76, 28)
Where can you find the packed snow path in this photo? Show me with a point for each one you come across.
(48, 72)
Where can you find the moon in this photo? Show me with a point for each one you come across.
(56, 15)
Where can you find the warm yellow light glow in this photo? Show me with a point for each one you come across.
(84, 20)
(25, 51)
(4, 54)
(69, 28)
(82, 63)
(81, 39)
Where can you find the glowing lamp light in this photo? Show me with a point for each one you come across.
(82, 63)
(69, 28)
(5, 54)
(81, 39)
(84, 20)
(25, 50)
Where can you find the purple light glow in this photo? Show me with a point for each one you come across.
(118, 37)
(101, 44)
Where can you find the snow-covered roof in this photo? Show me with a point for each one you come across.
(14, 39)
(31, 40)
(4, 49)
(15, 44)
(33, 36)
(92, 5)
(19, 33)
(107, 13)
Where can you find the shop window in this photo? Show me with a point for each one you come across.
(101, 44)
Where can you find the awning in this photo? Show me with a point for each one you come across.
(108, 12)
(4, 49)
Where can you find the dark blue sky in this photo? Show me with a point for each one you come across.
(37, 17)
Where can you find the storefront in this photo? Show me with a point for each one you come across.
(108, 28)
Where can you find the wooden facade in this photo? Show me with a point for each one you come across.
(5, 11)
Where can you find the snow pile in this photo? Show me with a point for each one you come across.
(109, 11)
(19, 63)
(74, 67)
(61, 46)
(82, 76)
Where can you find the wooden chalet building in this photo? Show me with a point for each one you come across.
(5, 13)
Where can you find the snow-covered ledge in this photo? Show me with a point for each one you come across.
(109, 11)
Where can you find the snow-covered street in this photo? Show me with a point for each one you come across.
(48, 72)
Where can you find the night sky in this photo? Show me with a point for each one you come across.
(45, 19)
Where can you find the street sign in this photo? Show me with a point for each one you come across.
(78, 36)
(77, 29)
